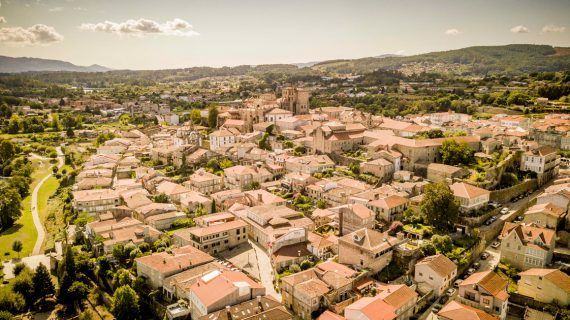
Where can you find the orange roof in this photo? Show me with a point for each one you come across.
(557, 277)
(489, 281)
(440, 264)
(465, 190)
(178, 259)
(374, 308)
(457, 311)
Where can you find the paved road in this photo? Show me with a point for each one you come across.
(265, 270)
(35, 212)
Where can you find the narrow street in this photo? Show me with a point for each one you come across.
(265, 270)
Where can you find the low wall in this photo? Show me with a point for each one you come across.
(477, 221)
(505, 195)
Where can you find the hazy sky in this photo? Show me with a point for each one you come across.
(157, 34)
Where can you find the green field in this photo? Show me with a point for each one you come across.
(24, 229)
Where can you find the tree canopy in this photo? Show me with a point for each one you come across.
(439, 207)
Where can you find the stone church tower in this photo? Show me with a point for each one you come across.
(295, 100)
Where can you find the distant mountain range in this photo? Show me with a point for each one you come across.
(480, 60)
(24, 64)
(507, 59)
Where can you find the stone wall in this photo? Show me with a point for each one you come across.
(505, 195)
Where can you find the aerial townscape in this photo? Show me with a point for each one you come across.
(432, 186)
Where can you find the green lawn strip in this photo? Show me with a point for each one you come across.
(24, 229)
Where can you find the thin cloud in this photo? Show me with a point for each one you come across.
(143, 27)
(452, 32)
(553, 28)
(520, 29)
(38, 34)
(56, 9)
(2, 20)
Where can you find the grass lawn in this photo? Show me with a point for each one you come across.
(24, 229)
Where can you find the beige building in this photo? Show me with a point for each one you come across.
(336, 137)
(220, 288)
(204, 182)
(158, 266)
(307, 291)
(543, 161)
(366, 249)
(545, 215)
(309, 164)
(295, 100)
(389, 208)
(214, 238)
(437, 271)
(274, 227)
(242, 176)
(380, 168)
(527, 246)
(486, 291)
(454, 310)
(391, 302)
(437, 172)
(550, 286)
(95, 201)
(470, 197)
(354, 217)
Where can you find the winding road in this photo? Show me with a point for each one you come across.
(35, 211)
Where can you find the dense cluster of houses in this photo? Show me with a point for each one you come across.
(246, 202)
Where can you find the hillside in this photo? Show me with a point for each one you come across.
(508, 59)
(24, 64)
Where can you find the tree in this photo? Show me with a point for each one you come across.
(453, 153)
(7, 151)
(43, 285)
(67, 277)
(78, 291)
(195, 116)
(439, 207)
(213, 117)
(125, 303)
(427, 248)
(321, 204)
(21, 184)
(442, 244)
(17, 246)
(11, 301)
(23, 284)
(161, 198)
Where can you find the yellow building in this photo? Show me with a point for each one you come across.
(545, 285)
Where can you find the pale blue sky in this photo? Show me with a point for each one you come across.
(233, 32)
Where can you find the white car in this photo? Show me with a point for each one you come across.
(451, 291)
(457, 283)
(495, 244)
(505, 210)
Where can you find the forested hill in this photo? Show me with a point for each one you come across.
(508, 59)
(23, 64)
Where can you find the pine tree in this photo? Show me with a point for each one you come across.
(43, 285)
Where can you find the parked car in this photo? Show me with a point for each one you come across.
(457, 283)
(476, 265)
(495, 244)
(505, 210)
(471, 271)
(436, 308)
(484, 255)
(451, 291)
(519, 218)
(443, 299)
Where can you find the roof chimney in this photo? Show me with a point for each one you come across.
(260, 197)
